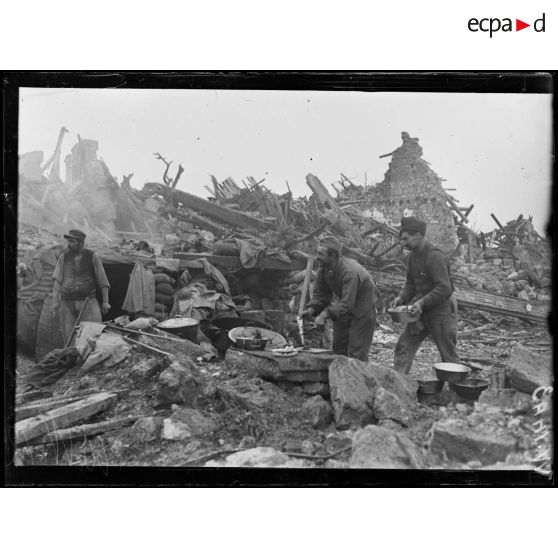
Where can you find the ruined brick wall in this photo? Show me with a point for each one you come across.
(411, 187)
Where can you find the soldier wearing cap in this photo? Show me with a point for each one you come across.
(78, 274)
(354, 311)
(429, 289)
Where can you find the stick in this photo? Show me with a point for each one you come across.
(307, 275)
(76, 324)
(157, 351)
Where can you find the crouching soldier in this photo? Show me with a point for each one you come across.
(354, 312)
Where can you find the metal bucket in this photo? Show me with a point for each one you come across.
(187, 328)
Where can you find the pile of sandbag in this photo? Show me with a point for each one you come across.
(164, 291)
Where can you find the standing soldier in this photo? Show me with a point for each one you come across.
(430, 290)
(78, 274)
(354, 313)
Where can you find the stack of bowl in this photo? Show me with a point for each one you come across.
(456, 376)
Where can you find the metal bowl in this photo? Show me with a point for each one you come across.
(401, 315)
(251, 343)
(429, 385)
(451, 372)
(470, 388)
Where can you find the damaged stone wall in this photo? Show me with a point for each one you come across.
(411, 187)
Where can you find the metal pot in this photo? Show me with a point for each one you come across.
(429, 385)
(187, 328)
(471, 388)
(451, 372)
(251, 343)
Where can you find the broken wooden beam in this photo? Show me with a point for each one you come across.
(234, 261)
(61, 417)
(327, 201)
(83, 431)
(221, 213)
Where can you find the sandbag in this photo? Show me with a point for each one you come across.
(160, 309)
(164, 289)
(49, 334)
(163, 278)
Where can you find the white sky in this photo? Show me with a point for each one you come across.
(495, 149)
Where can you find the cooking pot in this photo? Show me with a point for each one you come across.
(187, 328)
(251, 343)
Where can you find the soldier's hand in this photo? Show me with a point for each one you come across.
(105, 308)
(320, 321)
(416, 308)
(397, 301)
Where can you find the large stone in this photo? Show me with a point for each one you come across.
(529, 370)
(460, 442)
(399, 384)
(317, 412)
(387, 405)
(175, 430)
(147, 429)
(178, 384)
(352, 387)
(375, 447)
(197, 424)
(254, 457)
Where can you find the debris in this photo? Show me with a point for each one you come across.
(197, 423)
(61, 417)
(375, 447)
(388, 406)
(147, 429)
(460, 442)
(83, 431)
(529, 370)
(317, 411)
(256, 457)
(178, 384)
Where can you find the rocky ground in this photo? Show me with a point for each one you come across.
(218, 414)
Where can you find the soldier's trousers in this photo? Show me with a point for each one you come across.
(443, 330)
(352, 337)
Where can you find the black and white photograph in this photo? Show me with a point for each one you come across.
(329, 278)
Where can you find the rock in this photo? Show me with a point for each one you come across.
(247, 442)
(254, 457)
(529, 370)
(391, 425)
(197, 424)
(248, 396)
(144, 371)
(147, 429)
(192, 446)
(375, 447)
(175, 430)
(474, 419)
(317, 412)
(399, 384)
(307, 447)
(315, 388)
(352, 388)
(523, 295)
(388, 406)
(511, 399)
(178, 384)
(335, 464)
(461, 443)
(335, 442)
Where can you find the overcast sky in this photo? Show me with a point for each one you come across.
(494, 149)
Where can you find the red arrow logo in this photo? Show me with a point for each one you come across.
(519, 25)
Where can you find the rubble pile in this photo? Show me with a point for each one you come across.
(142, 396)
